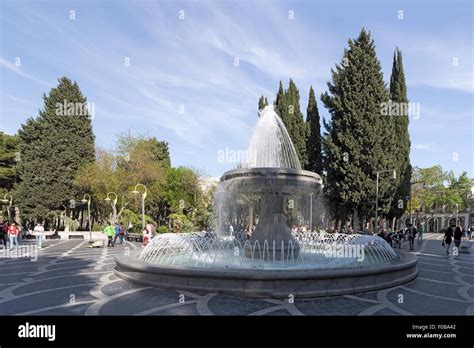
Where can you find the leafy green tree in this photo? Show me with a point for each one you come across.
(135, 160)
(53, 146)
(179, 191)
(438, 190)
(98, 179)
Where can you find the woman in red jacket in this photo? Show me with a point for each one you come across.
(13, 235)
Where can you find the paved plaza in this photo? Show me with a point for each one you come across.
(69, 279)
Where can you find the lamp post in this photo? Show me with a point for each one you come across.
(88, 201)
(9, 201)
(394, 176)
(114, 204)
(457, 214)
(143, 194)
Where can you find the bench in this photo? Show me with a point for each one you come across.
(134, 237)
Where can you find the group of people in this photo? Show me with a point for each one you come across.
(114, 232)
(117, 231)
(10, 232)
(396, 238)
(453, 233)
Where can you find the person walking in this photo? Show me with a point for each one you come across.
(39, 231)
(122, 235)
(117, 231)
(4, 233)
(411, 232)
(110, 232)
(448, 238)
(13, 235)
(421, 230)
(458, 234)
(146, 237)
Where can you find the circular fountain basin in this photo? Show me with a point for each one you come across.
(219, 266)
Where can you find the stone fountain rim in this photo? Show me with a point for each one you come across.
(403, 261)
(271, 283)
(266, 171)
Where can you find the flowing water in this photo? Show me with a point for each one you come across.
(271, 145)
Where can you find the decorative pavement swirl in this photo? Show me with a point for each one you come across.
(68, 279)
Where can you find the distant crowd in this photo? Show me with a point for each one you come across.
(12, 234)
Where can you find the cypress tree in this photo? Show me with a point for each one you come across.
(399, 99)
(262, 102)
(287, 106)
(53, 146)
(313, 140)
(356, 137)
(280, 104)
(295, 119)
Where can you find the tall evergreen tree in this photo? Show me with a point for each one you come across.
(53, 146)
(280, 103)
(287, 106)
(262, 102)
(9, 147)
(296, 122)
(313, 140)
(398, 96)
(357, 134)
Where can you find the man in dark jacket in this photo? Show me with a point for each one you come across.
(448, 238)
(4, 232)
(411, 232)
(458, 234)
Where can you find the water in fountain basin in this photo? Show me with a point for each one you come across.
(271, 145)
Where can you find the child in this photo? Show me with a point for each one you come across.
(146, 237)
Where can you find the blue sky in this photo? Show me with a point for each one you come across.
(183, 85)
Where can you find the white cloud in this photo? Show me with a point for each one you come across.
(11, 67)
(423, 147)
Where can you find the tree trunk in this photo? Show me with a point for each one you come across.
(355, 220)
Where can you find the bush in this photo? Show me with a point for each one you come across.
(180, 223)
(129, 216)
(162, 229)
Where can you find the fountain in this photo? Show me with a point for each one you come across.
(254, 252)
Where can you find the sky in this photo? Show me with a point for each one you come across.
(191, 72)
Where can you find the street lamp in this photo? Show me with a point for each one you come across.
(457, 214)
(113, 202)
(88, 201)
(394, 176)
(9, 201)
(143, 194)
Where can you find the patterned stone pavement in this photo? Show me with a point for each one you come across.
(69, 279)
